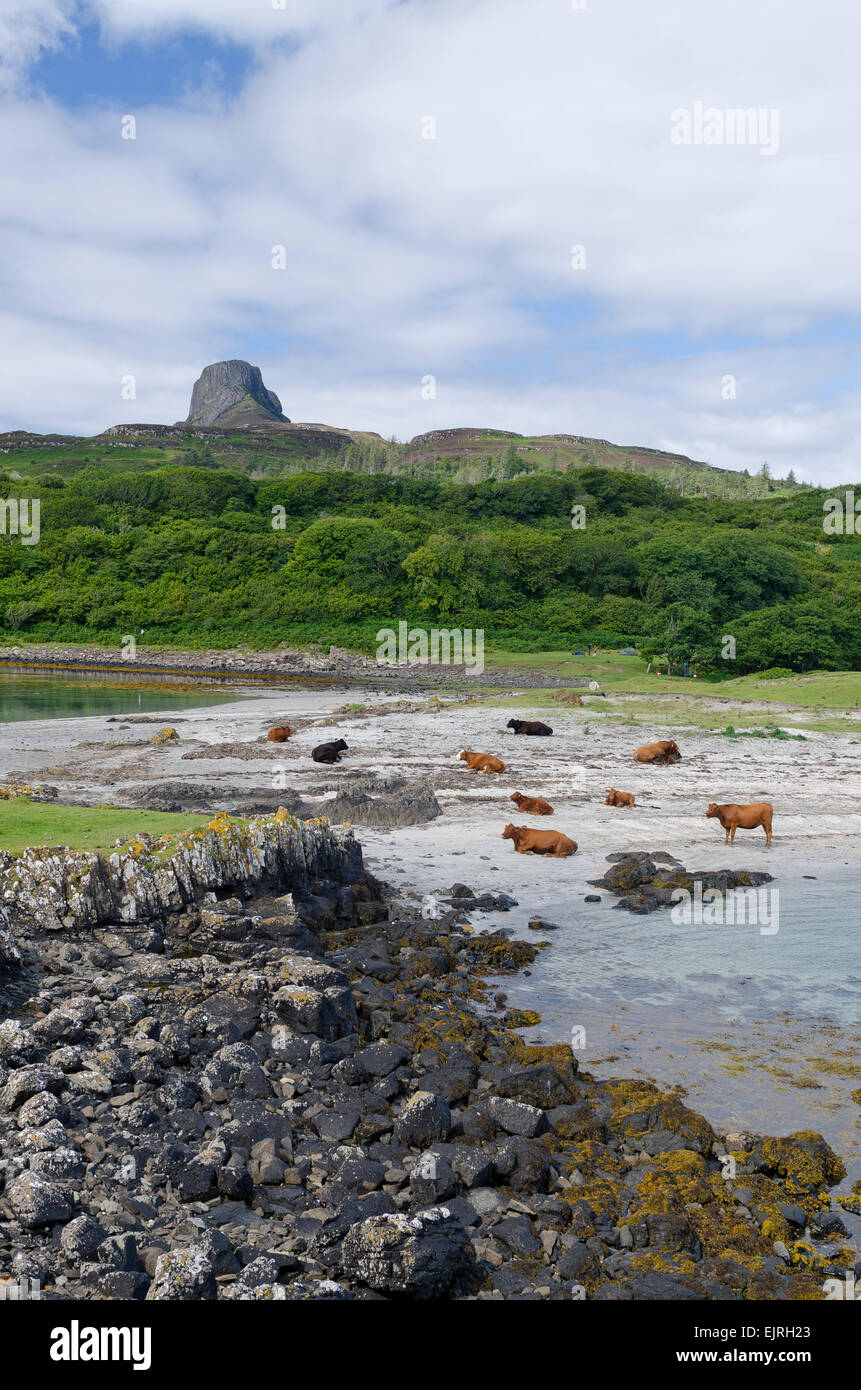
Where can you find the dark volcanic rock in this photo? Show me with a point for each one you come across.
(642, 887)
(301, 1094)
(412, 806)
(420, 1254)
(227, 387)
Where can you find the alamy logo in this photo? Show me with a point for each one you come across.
(841, 515)
(439, 646)
(19, 516)
(76, 1343)
(20, 1290)
(712, 908)
(713, 125)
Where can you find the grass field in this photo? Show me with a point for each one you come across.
(25, 823)
(627, 674)
(826, 701)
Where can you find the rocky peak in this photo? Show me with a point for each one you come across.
(233, 393)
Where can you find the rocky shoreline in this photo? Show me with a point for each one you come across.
(269, 1079)
(284, 662)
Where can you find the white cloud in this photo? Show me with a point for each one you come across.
(29, 28)
(451, 256)
(243, 21)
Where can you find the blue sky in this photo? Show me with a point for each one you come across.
(305, 126)
(164, 70)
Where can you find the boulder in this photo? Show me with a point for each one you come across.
(418, 1255)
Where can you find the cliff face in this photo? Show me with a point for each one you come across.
(233, 393)
(57, 889)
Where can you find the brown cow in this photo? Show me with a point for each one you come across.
(279, 734)
(664, 751)
(550, 842)
(615, 798)
(481, 762)
(531, 805)
(733, 818)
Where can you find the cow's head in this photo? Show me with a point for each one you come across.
(509, 832)
(714, 810)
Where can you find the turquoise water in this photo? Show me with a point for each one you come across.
(71, 694)
(763, 1031)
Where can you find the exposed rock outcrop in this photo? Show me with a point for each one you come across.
(412, 806)
(642, 886)
(233, 393)
(56, 889)
(266, 1110)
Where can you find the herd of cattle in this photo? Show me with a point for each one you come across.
(552, 842)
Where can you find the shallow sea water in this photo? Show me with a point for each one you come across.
(762, 1031)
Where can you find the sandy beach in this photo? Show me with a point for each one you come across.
(741, 1020)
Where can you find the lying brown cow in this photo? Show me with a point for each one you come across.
(481, 762)
(733, 818)
(664, 751)
(615, 798)
(279, 734)
(531, 805)
(550, 842)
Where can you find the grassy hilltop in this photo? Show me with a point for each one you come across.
(454, 455)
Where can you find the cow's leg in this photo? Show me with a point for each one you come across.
(726, 836)
(732, 835)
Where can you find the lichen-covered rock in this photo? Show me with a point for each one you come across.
(10, 956)
(24, 1082)
(16, 1041)
(165, 735)
(81, 1238)
(37, 1201)
(57, 888)
(184, 1274)
(424, 1118)
(420, 1255)
(315, 998)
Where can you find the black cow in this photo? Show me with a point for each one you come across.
(529, 726)
(329, 752)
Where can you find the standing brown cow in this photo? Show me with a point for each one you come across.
(733, 818)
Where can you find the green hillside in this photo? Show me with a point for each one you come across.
(190, 554)
(456, 455)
